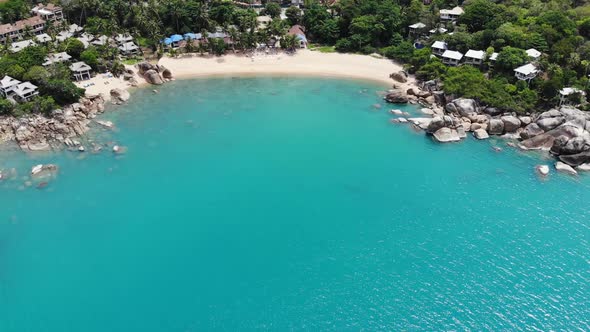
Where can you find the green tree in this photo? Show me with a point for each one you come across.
(74, 47)
(37, 75)
(273, 10)
(481, 14)
(5, 106)
(510, 58)
(90, 56)
(63, 91)
(293, 15)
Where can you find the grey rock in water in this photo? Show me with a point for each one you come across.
(565, 168)
(480, 133)
(576, 159)
(542, 169)
(511, 123)
(120, 95)
(153, 77)
(583, 168)
(496, 127)
(531, 130)
(396, 97)
(445, 135)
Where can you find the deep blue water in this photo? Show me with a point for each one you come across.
(289, 204)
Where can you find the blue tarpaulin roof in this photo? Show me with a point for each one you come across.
(302, 37)
(190, 35)
(167, 41)
(176, 38)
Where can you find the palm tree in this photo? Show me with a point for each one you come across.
(289, 42)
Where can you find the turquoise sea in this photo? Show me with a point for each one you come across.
(289, 204)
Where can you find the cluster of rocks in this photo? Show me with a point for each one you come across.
(154, 74)
(564, 132)
(62, 127)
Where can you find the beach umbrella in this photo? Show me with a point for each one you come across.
(190, 36)
(176, 38)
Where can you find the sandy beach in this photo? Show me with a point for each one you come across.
(302, 63)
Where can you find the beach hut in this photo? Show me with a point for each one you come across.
(129, 48)
(43, 38)
(25, 91)
(440, 30)
(475, 57)
(63, 35)
(7, 85)
(100, 41)
(123, 38)
(452, 58)
(299, 32)
(190, 36)
(526, 72)
(80, 70)
(438, 47)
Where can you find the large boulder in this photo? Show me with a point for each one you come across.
(492, 111)
(480, 134)
(575, 145)
(439, 122)
(525, 120)
(550, 123)
(166, 73)
(511, 123)
(445, 135)
(153, 77)
(396, 97)
(531, 130)
(399, 77)
(463, 106)
(496, 127)
(576, 159)
(143, 67)
(119, 95)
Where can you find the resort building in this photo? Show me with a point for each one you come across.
(57, 58)
(299, 32)
(122, 39)
(451, 14)
(100, 41)
(566, 95)
(440, 31)
(416, 29)
(129, 48)
(475, 57)
(439, 47)
(63, 35)
(494, 56)
(25, 91)
(7, 85)
(452, 58)
(48, 12)
(21, 45)
(34, 24)
(80, 70)
(43, 38)
(75, 28)
(533, 54)
(526, 72)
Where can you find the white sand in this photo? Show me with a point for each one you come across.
(303, 63)
(102, 84)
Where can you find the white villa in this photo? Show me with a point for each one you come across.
(57, 58)
(566, 92)
(80, 70)
(451, 14)
(440, 30)
(49, 12)
(122, 39)
(129, 48)
(21, 45)
(43, 38)
(533, 54)
(25, 91)
(63, 35)
(452, 58)
(100, 41)
(416, 28)
(439, 47)
(526, 72)
(7, 85)
(475, 57)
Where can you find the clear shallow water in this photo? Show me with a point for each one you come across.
(290, 204)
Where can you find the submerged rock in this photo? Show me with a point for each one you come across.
(565, 168)
(396, 97)
(119, 95)
(542, 169)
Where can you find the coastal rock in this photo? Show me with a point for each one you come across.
(445, 135)
(143, 67)
(492, 111)
(421, 123)
(427, 111)
(475, 126)
(550, 123)
(576, 159)
(480, 134)
(398, 77)
(564, 168)
(166, 73)
(439, 122)
(542, 169)
(575, 145)
(525, 120)
(463, 106)
(496, 127)
(396, 97)
(153, 77)
(107, 124)
(396, 112)
(550, 114)
(119, 95)
(531, 130)
(40, 171)
(511, 123)
(583, 168)
(38, 146)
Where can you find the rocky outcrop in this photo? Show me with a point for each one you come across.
(496, 127)
(492, 111)
(543, 169)
(462, 106)
(153, 77)
(480, 134)
(531, 130)
(153, 74)
(511, 123)
(396, 97)
(445, 135)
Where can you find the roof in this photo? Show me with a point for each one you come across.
(453, 55)
(440, 30)
(533, 53)
(75, 28)
(527, 69)
(475, 54)
(494, 56)
(121, 38)
(18, 46)
(101, 40)
(440, 45)
(57, 57)
(418, 25)
(42, 38)
(46, 9)
(24, 88)
(455, 11)
(217, 35)
(569, 91)
(20, 25)
(263, 18)
(84, 41)
(130, 46)
(63, 35)
(80, 66)
(8, 81)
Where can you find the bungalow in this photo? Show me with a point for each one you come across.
(494, 56)
(439, 47)
(566, 94)
(129, 48)
(416, 28)
(7, 85)
(533, 54)
(475, 57)
(122, 39)
(63, 35)
(75, 28)
(299, 32)
(451, 14)
(452, 58)
(100, 41)
(526, 72)
(21, 45)
(48, 12)
(80, 70)
(43, 38)
(34, 24)
(25, 91)
(57, 58)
